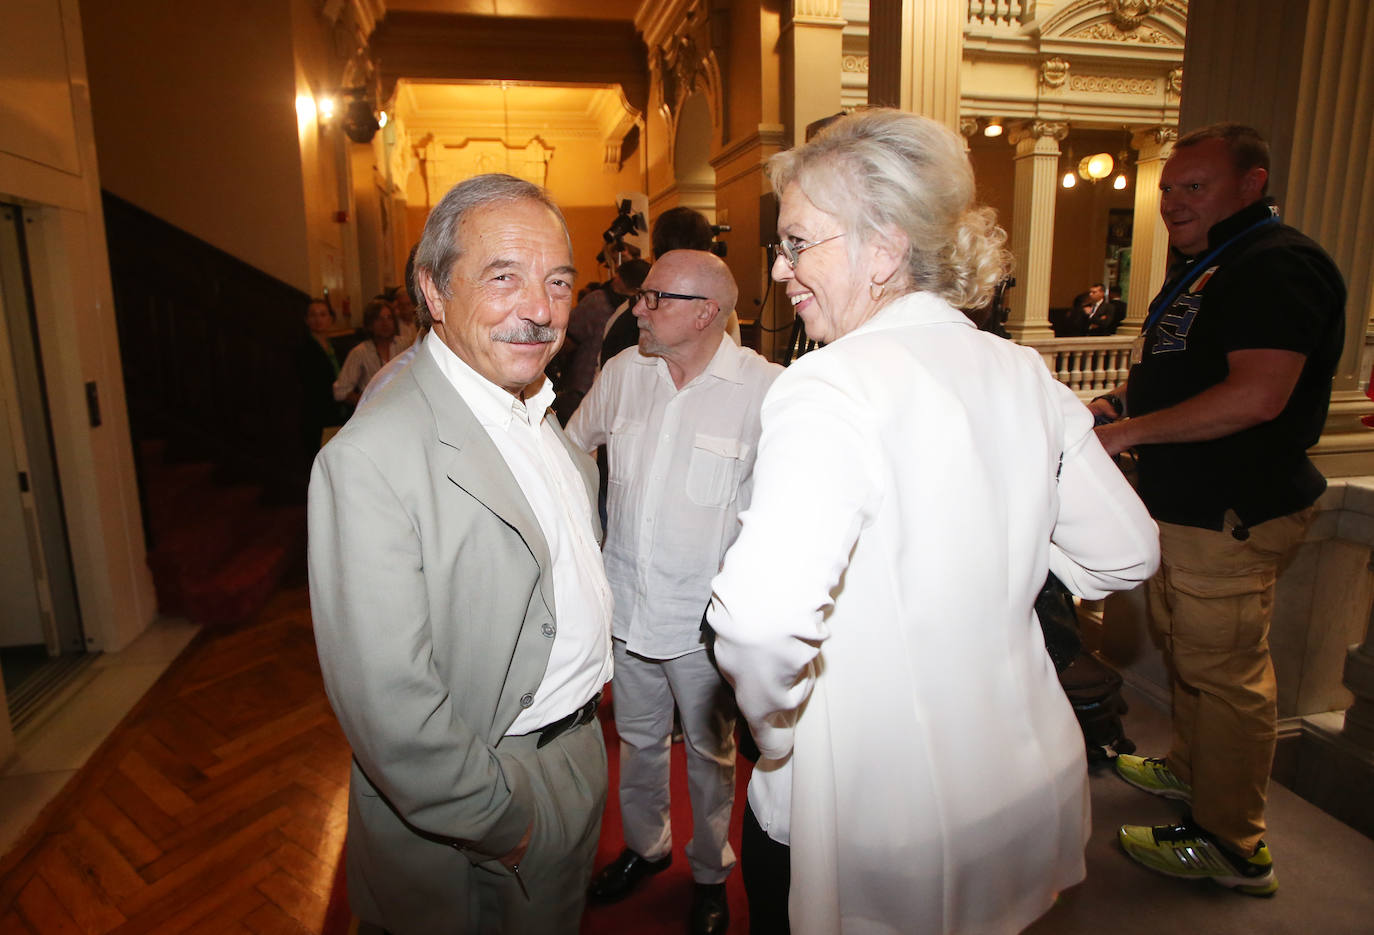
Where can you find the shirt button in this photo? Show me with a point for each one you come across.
(526, 699)
(548, 629)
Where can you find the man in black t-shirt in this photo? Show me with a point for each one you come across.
(1229, 389)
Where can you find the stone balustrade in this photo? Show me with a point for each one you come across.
(1008, 14)
(1088, 366)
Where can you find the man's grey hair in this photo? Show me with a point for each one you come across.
(438, 249)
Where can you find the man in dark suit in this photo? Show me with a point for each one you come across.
(1099, 313)
(461, 609)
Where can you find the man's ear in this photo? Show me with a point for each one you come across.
(434, 299)
(1252, 182)
(709, 310)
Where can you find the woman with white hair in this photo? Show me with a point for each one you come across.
(916, 479)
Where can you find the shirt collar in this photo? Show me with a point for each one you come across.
(725, 364)
(490, 404)
(913, 308)
(1227, 228)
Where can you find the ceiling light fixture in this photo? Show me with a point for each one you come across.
(1119, 182)
(994, 127)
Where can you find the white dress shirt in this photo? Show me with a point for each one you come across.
(681, 469)
(359, 367)
(580, 662)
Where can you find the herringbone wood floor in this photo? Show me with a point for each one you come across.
(219, 805)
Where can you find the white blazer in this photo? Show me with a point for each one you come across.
(876, 617)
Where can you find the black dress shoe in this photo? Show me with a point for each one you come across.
(623, 874)
(710, 909)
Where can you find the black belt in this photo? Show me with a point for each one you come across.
(551, 732)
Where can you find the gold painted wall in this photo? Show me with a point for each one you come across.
(195, 121)
(321, 163)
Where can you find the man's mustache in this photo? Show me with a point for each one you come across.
(529, 333)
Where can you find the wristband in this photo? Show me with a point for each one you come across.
(1114, 401)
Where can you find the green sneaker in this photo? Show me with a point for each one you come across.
(1187, 851)
(1153, 775)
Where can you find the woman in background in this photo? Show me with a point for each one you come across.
(370, 355)
(317, 367)
(918, 753)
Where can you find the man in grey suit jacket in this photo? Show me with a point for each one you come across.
(461, 609)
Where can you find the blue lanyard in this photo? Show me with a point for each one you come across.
(1158, 306)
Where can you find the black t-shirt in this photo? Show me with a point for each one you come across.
(1272, 287)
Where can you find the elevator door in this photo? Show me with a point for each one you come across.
(38, 603)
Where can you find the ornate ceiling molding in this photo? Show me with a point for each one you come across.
(1054, 72)
(1113, 84)
(688, 60)
(1039, 129)
(1127, 15)
(1146, 22)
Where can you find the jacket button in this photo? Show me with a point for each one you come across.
(548, 629)
(526, 699)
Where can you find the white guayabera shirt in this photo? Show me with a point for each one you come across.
(681, 469)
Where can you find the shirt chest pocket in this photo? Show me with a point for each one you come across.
(624, 442)
(713, 473)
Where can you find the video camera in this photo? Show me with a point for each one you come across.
(627, 221)
(717, 247)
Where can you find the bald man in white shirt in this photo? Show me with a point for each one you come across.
(680, 414)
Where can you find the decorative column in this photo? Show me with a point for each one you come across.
(812, 47)
(1032, 227)
(915, 51)
(1149, 238)
(1303, 79)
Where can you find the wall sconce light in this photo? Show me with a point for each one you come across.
(326, 105)
(994, 127)
(305, 109)
(1070, 180)
(1096, 167)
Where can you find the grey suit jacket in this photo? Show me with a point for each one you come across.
(432, 595)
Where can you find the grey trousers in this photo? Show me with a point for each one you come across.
(418, 886)
(644, 691)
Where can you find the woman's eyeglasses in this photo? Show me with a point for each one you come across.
(791, 250)
(650, 297)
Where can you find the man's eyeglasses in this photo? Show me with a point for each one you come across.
(650, 297)
(791, 250)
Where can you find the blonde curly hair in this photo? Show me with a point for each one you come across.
(880, 170)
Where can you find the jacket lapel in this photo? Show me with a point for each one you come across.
(475, 465)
